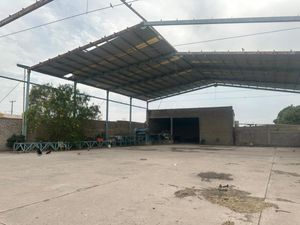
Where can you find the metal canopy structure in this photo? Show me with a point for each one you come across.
(116, 62)
(138, 62)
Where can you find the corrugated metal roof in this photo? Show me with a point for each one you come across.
(140, 63)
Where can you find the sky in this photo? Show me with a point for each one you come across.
(33, 46)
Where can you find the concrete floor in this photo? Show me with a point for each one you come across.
(116, 187)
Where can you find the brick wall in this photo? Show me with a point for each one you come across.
(215, 124)
(93, 128)
(8, 127)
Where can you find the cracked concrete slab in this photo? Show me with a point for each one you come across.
(116, 187)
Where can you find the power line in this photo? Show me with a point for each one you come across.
(238, 36)
(9, 92)
(63, 19)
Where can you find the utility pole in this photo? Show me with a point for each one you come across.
(12, 107)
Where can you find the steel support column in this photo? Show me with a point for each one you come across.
(130, 116)
(147, 116)
(107, 116)
(27, 104)
(74, 98)
(147, 122)
(24, 99)
(171, 128)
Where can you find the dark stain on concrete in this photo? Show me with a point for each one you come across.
(284, 200)
(208, 176)
(286, 173)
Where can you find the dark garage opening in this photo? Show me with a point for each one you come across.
(186, 130)
(160, 125)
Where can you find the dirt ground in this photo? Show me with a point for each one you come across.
(152, 185)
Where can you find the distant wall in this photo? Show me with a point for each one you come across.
(8, 127)
(270, 135)
(93, 128)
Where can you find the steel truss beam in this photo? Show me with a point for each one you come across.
(23, 12)
(257, 88)
(278, 19)
(230, 83)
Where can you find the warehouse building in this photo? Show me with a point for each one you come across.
(212, 126)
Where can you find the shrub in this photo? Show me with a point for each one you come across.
(13, 139)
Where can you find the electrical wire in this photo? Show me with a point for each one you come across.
(9, 92)
(238, 36)
(65, 18)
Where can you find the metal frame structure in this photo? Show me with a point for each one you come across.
(278, 19)
(23, 12)
(58, 146)
(138, 62)
(27, 84)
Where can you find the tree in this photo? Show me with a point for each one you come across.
(56, 110)
(289, 115)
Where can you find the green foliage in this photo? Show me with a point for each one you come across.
(13, 139)
(289, 115)
(56, 110)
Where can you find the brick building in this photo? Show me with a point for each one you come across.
(198, 125)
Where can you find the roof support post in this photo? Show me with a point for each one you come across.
(24, 99)
(147, 114)
(26, 105)
(74, 99)
(171, 128)
(130, 117)
(147, 122)
(107, 116)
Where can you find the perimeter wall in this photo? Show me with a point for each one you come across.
(9, 126)
(269, 135)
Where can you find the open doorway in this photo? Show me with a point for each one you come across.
(186, 130)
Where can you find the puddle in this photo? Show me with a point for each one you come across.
(207, 176)
(286, 173)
